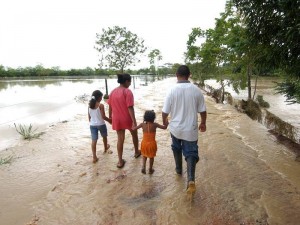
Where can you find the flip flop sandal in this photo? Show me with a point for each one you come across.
(123, 164)
(109, 151)
(138, 155)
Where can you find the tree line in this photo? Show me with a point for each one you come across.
(40, 71)
(250, 39)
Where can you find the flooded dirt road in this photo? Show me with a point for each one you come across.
(244, 176)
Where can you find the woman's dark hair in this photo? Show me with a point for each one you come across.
(149, 116)
(95, 97)
(123, 77)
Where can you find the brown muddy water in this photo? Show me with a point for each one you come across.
(244, 176)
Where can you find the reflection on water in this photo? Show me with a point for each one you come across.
(27, 83)
(141, 80)
(43, 102)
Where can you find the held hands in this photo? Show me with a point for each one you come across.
(134, 125)
(202, 127)
(166, 123)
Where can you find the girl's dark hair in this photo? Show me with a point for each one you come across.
(149, 116)
(123, 77)
(95, 97)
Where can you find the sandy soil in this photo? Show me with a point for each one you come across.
(242, 177)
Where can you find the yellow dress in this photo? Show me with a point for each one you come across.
(148, 144)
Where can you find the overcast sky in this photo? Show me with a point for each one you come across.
(63, 32)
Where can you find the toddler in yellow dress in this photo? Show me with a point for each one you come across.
(148, 144)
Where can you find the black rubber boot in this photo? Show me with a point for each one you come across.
(178, 161)
(191, 167)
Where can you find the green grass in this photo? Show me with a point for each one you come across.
(27, 132)
(6, 160)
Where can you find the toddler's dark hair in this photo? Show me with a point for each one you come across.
(95, 97)
(149, 116)
(123, 77)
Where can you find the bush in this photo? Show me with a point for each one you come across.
(27, 132)
(252, 109)
(6, 160)
(262, 102)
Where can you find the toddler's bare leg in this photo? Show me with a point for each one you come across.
(151, 170)
(144, 165)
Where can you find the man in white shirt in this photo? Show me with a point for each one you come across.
(183, 102)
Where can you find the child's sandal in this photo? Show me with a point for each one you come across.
(143, 170)
(151, 171)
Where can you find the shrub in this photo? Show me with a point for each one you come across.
(6, 160)
(27, 132)
(252, 109)
(262, 102)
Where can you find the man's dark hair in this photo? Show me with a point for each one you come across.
(183, 71)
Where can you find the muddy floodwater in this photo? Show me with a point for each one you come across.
(244, 175)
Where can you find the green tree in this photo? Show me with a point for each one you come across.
(201, 66)
(212, 57)
(241, 53)
(226, 52)
(118, 48)
(154, 58)
(2, 71)
(276, 26)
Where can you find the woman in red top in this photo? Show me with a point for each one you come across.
(121, 111)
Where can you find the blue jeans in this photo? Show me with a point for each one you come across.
(189, 149)
(96, 129)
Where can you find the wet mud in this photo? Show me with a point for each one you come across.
(244, 176)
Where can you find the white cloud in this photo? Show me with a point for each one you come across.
(63, 32)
